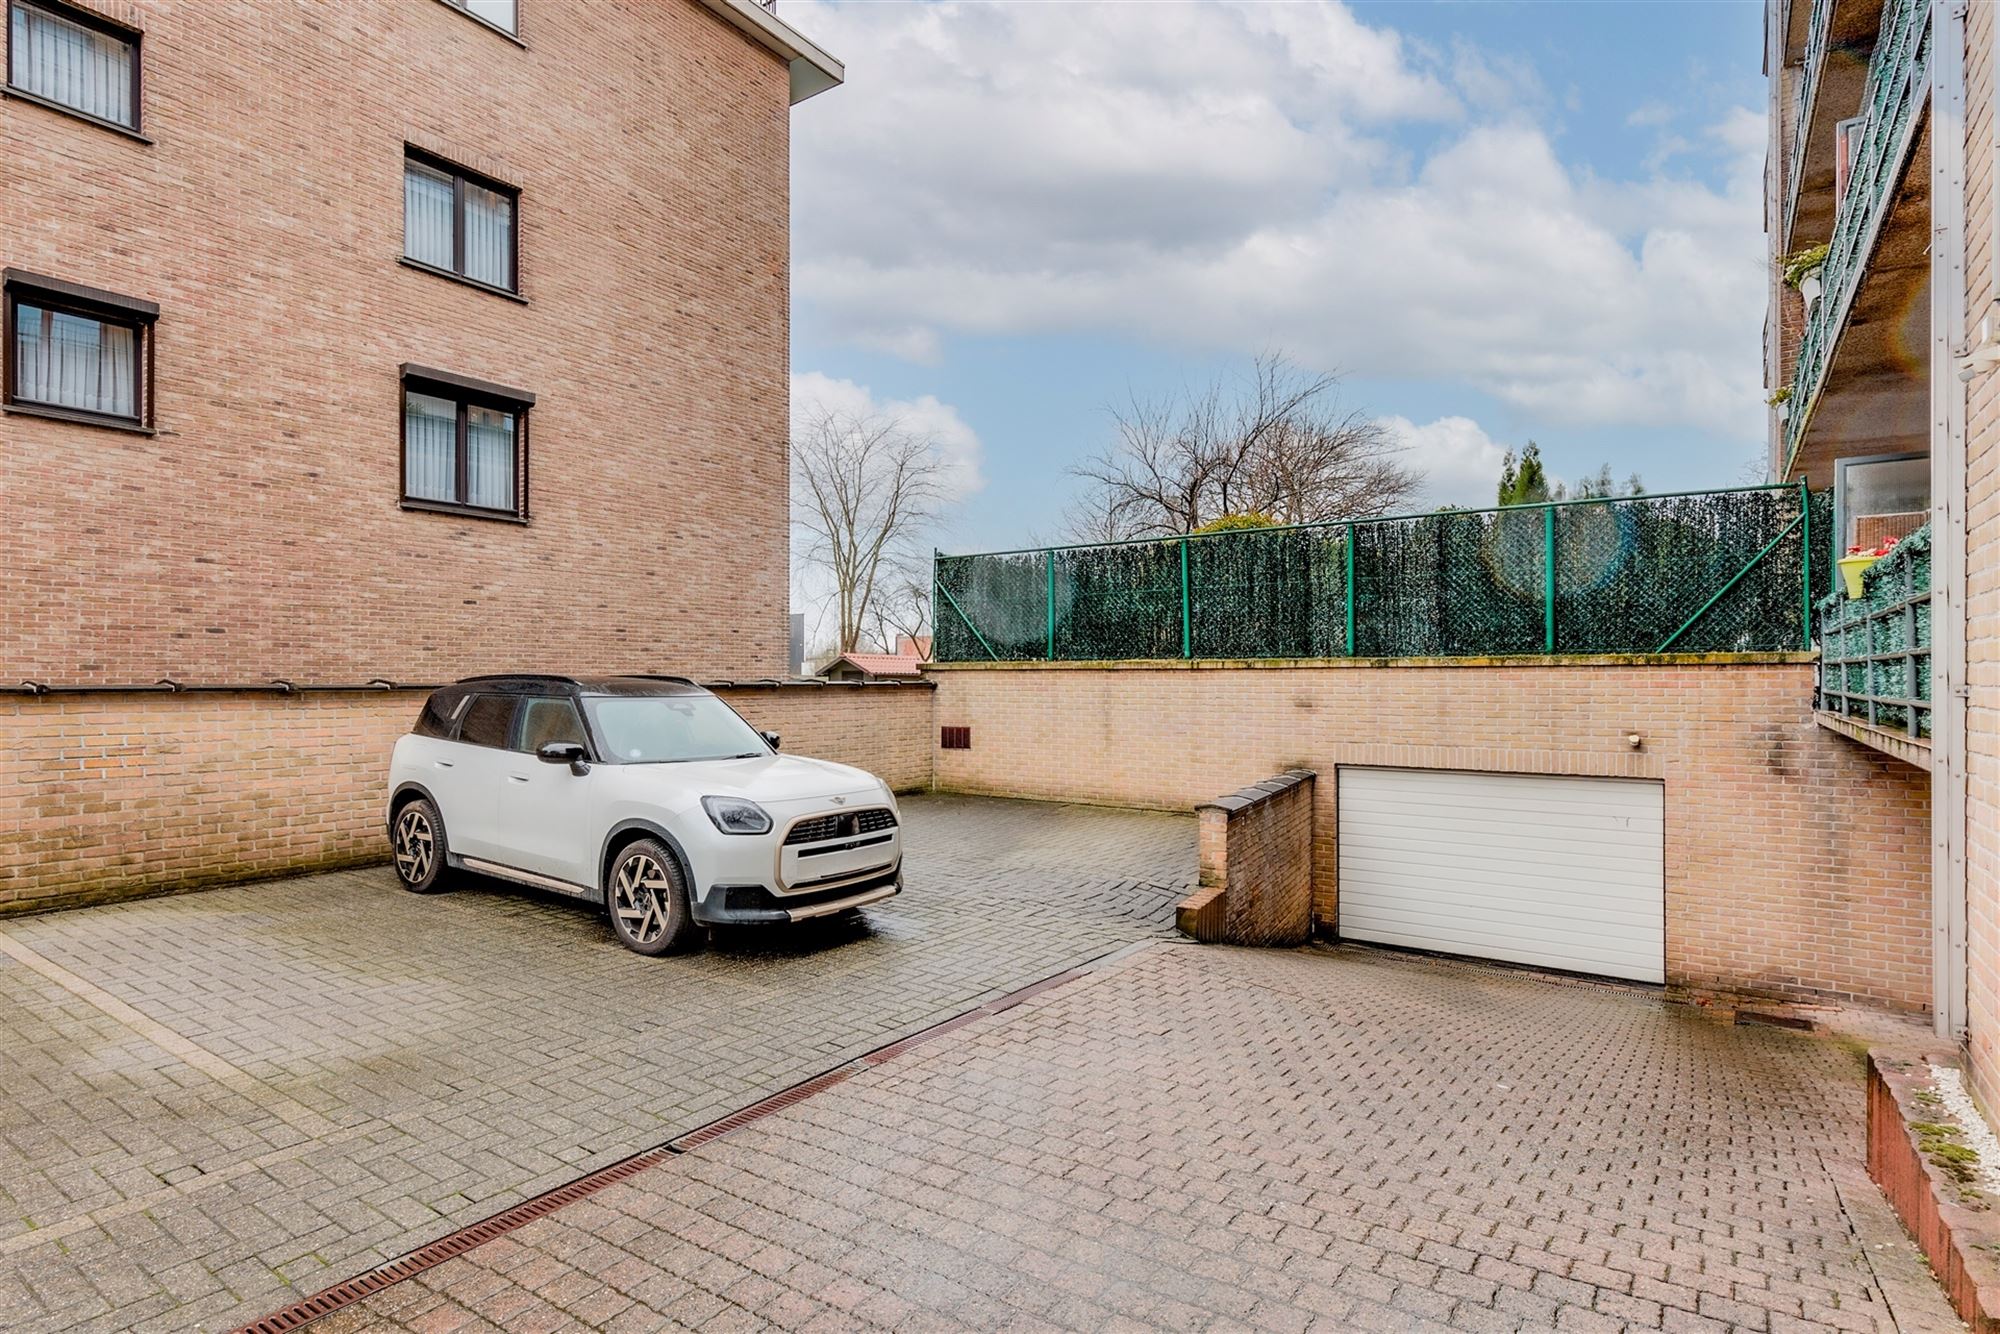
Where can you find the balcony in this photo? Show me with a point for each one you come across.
(1861, 381)
(1832, 65)
(1875, 655)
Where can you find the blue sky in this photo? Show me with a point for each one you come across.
(1498, 221)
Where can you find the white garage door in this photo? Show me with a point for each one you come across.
(1557, 872)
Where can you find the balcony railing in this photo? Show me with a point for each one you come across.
(1898, 82)
(1817, 27)
(1875, 650)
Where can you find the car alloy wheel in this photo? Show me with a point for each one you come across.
(637, 896)
(416, 845)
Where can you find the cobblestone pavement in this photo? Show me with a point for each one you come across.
(1199, 1137)
(217, 1102)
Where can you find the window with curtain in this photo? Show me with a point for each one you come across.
(464, 445)
(458, 223)
(75, 352)
(74, 60)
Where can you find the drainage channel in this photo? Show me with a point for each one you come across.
(362, 1286)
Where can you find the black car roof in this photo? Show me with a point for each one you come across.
(537, 683)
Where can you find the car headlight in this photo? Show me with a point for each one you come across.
(733, 815)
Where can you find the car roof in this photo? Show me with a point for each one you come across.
(539, 683)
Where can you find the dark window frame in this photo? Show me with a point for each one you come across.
(86, 18)
(511, 34)
(59, 296)
(460, 178)
(466, 392)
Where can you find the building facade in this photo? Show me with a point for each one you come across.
(1882, 344)
(389, 341)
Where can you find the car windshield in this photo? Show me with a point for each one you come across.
(655, 729)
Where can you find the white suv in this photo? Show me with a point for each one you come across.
(646, 793)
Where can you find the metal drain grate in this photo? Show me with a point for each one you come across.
(362, 1286)
(328, 1300)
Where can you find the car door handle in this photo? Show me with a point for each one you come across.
(517, 778)
(442, 764)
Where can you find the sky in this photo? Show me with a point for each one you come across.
(1496, 222)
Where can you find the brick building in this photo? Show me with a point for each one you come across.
(386, 341)
(1881, 347)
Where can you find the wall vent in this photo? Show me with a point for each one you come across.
(955, 738)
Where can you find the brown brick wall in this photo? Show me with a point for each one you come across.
(259, 534)
(121, 795)
(1982, 548)
(1256, 845)
(1796, 860)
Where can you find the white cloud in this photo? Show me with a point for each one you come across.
(1460, 462)
(1226, 178)
(955, 443)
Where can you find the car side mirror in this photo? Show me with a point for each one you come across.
(565, 752)
(771, 738)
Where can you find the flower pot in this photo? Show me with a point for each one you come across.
(1852, 568)
(1809, 289)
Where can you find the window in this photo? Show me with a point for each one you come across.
(666, 729)
(465, 445)
(73, 61)
(78, 353)
(548, 719)
(457, 223)
(489, 719)
(1883, 498)
(493, 13)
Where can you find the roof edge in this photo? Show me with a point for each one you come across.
(813, 70)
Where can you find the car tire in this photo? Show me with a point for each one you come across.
(417, 847)
(647, 897)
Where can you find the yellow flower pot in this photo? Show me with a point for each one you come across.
(1852, 568)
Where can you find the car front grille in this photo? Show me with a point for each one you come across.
(847, 824)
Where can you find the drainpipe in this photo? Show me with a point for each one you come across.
(1948, 483)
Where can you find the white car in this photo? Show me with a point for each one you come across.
(645, 793)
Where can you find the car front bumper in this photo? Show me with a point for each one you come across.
(758, 905)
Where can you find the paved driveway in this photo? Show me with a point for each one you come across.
(1198, 1137)
(217, 1102)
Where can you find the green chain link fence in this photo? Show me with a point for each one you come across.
(1709, 571)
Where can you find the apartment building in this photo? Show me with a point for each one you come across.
(371, 344)
(1882, 344)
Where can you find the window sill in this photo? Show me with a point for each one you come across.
(73, 416)
(463, 511)
(22, 95)
(461, 279)
(485, 23)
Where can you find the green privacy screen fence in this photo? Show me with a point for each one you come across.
(1697, 572)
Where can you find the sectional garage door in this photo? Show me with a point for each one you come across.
(1556, 872)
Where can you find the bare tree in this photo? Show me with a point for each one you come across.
(901, 606)
(864, 489)
(1278, 444)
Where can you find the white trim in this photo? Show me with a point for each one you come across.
(1948, 576)
(813, 70)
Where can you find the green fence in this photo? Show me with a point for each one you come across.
(1875, 650)
(1709, 571)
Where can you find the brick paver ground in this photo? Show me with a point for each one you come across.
(217, 1102)
(1198, 1137)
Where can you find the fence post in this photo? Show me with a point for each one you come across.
(1349, 581)
(1548, 579)
(1052, 604)
(1187, 624)
(1805, 569)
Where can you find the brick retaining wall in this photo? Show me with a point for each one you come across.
(1256, 848)
(1797, 861)
(128, 794)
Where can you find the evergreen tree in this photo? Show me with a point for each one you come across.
(1525, 483)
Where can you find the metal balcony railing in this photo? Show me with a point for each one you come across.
(1817, 27)
(1875, 650)
(1898, 82)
